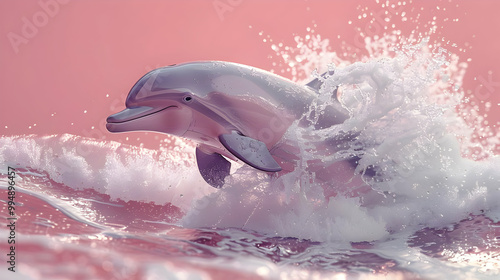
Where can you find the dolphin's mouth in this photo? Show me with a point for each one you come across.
(130, 114)
(173, 119)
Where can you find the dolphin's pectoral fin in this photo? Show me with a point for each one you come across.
(213, 167)
(252, 152)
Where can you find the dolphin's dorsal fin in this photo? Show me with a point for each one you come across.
(251, 151)
(213, 167)
(316, 83)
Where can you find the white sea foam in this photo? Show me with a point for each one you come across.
(121, 171)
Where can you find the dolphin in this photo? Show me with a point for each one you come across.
(231, 110)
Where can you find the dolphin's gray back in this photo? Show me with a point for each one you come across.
(204, 79)
(244, 80)
(236, 80)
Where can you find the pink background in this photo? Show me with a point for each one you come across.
(77, 52)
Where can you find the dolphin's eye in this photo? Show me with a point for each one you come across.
(187, 98)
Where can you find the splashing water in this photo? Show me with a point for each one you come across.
(404, 112)
(422, 170)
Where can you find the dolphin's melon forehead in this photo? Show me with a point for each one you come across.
(140, 88)
(190, 77)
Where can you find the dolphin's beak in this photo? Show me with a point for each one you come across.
(114, 121)
(131, 113)
(171, 119)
